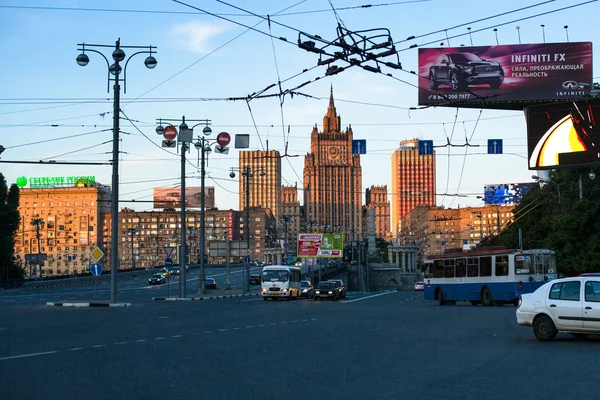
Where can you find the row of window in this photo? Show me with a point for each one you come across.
(571, 291)
(470, 267)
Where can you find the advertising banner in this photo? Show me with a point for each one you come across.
(171, 197)
(563, 134)
(505, 193)
(505, 73)
(321, 245)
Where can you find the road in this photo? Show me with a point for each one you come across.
(388, 345)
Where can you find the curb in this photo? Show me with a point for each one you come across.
(204, 298)
(70, 304)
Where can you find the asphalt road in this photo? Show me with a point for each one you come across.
(389, 345)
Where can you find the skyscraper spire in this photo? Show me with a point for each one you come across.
(331, 121)
(331, 105)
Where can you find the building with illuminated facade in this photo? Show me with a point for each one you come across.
(413, 181)
(264, 182)
(333, 178)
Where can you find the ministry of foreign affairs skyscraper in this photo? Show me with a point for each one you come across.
(333, 179)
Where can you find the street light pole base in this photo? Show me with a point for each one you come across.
(201, 284)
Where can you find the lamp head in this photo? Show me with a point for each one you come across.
(150, 62)
(160, 130)
(232, 174)
(198, 144)
(206, 131)
(118, 55)
(115, 68)
(592, 175)
(83, 59)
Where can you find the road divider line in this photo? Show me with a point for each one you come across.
(28, 355)
(368, 297)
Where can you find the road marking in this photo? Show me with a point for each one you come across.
(176, 336)
(140, 340)
(206, 332)
(262, 325)
(159, 338)
(368, 297)
(222, 330)
(236, 329)
(28, 355)
(250, 326)
(99, 345)
(76, 348)
(121, 343)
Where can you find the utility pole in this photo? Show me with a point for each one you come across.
(37, 223)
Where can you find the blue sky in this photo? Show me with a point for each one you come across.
(201, 56)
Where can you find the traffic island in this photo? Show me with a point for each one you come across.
(86, 304)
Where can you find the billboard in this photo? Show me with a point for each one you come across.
(321, 245)
(505, 193)
(563, 134)
(170, 197)
(505, 74)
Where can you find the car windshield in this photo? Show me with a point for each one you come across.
(275, 275)
(156, 276)
(326, 285)
(304, 284)
(464, 57)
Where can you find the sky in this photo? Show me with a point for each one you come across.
(53, 109)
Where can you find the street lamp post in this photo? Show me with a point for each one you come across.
(185, 137)
(38, 223)
(115, 69)
(132, 232)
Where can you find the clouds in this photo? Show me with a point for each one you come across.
(195, 36)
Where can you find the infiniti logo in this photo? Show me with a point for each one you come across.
(488, 68)
(570, 84)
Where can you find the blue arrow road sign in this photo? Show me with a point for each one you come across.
(359, 146)
(168, 262)
(96, 269)
(247, 260)
(494, 146)
(425, 147)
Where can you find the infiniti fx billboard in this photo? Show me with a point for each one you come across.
(504, 74)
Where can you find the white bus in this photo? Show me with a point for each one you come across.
(280, 281)
(487, 275)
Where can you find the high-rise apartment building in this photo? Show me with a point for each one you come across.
(413, 181)
(333, 177)
(289, 221)
(264, 180)
(65, 223)
(376, 198)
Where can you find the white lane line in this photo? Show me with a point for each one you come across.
(368, 297)
(99, 345)
(273, 323)
(206, 332)
(28, 355)
(295, 321)
(284, 322)
(262, 325)
(159, 338)
(250, 326)
(236, 329)
(121, 343)
(140, 340)
(176, 336)
(76, 348)
(222, 330)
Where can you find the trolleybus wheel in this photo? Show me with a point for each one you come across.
(486, 297)
(440, 296)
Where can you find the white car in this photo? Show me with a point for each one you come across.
(563, 305)
(419, 286)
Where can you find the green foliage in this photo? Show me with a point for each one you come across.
(570, 227)
(9, 224)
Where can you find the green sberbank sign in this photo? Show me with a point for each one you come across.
(55, 181)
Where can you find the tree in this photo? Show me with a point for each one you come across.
(9, 224)
(567, 224)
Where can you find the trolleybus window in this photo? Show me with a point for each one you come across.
(501, 265)
(438, 269)
(461, 268)
(485, 266)
(473, 266)
(449, 268)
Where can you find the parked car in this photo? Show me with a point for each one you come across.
(562, 305)
(419, 286)
(306, 289)
(254, 279)
(156, 279)
(259, 263)
(463, 69)
(327, 290)
(341, 287)
(298, 264)
(210, 283)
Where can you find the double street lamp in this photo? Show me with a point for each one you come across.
(115, 69)
(185, 137)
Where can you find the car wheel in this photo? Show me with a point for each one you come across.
(456, 83)
(496, 85)
(579, 336)
(544, 329)
(486, 297)
(432, 83)
(440, 298)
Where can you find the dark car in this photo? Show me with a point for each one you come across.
(254, 279)
(327, 290)
(463, 69)
(210, 283)
(156, 279)
(306, 289)
(341, 287)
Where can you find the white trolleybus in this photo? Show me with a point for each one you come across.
(487, 275)
(281, 281)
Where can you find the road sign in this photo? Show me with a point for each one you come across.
(169, 251)
(443, 243)
(270, 262)
(223, 139)
(494, 146)
(169, 143)
(96, 269)
(168, 262)
(425, 147)
(359, 146)
(242, 141)
(247, 260)
(97, 254)
(221, 150)
(170, 132)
